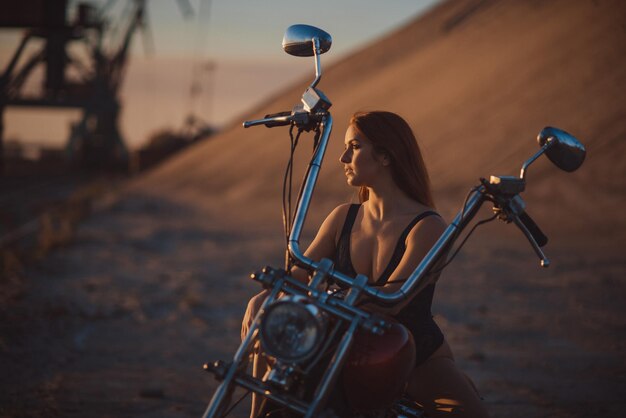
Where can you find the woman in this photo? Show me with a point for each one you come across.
(385, 237)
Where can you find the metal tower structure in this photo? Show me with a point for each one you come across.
(95, 141)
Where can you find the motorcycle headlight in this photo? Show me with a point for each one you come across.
(292, 329)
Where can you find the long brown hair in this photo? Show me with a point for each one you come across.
(392, 136)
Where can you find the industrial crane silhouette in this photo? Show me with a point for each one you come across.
(95, 141)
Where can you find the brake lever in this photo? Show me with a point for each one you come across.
(545, 262)
(534, 229)
(509, 206)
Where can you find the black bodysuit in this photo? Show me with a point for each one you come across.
(416, 315)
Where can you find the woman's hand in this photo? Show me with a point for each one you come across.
(253, 308)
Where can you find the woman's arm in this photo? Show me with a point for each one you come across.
(419, 241)
(323, 245)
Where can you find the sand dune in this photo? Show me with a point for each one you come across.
(477, 81)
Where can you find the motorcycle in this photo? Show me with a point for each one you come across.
(329, 357)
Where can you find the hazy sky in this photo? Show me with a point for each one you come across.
(240, 38)
(254, 28)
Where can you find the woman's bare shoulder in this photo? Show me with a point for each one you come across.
(323, 244)
(427, 230)
(336, 217)
(340, 211)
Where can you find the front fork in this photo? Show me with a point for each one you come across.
(217, 405)
(231, 374)
(336, 363)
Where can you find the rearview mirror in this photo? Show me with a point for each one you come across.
(298, 40)
(566, 152)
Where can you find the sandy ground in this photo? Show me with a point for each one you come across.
(120, 322)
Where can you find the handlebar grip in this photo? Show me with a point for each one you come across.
(273, 115)
(534, 230)
(277, 122)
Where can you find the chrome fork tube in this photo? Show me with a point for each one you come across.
(307, 192)
(333, 370)
(216, 406)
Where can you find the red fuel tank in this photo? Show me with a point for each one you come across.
(378, 366)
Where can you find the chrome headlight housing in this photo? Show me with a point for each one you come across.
(292, 329)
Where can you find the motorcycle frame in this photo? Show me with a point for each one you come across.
(231, 374)
(344, 309)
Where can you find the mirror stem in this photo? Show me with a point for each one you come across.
(318, 67)
(551, 141)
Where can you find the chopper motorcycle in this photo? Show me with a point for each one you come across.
(328, 357)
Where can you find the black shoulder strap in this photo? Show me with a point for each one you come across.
(414, 222)
(350, 218)
(401, 247)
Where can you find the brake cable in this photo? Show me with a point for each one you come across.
(287, 186)
(479, 223)
(234, 405)
(456, 252)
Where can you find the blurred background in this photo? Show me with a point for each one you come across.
(133, 205)
(96, 90)
(209, 60)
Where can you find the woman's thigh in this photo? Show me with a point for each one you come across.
(443, 390)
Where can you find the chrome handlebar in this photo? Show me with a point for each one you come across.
(419, 278)
(503, 191)
(301, 116)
